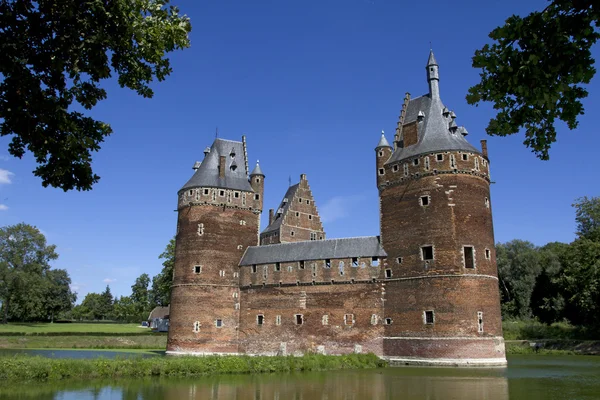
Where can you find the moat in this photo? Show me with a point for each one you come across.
(527, 377)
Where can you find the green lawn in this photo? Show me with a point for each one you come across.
(71, 327)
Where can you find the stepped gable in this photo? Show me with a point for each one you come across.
(368, 246)
(436, 129)
(296, 219)
(235, 174)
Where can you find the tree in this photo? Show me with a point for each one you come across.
(58, 294)
(106, 303)
(587, 215)
(161, 283)
(55, 53)
(518, 268)
(24, 258)
(534, 70)
(140, 295)
(547, 300)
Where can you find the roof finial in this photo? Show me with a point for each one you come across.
(217, 132)
(290, 181)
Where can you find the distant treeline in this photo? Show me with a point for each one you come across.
(558, 281)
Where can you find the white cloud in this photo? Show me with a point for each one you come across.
(75, 287)
(5, 176)
(3, 207)
(338, 207)
(109, 280)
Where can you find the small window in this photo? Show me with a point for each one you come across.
(480, 321)
(297, 214)
(427, 253)
(299, 200)
(197, 269)
(260, 319)
(327, 263)
(424, 200)
(219, 323)
(309, 216)
(469, 257)
(299, 319)
(374, 261)
(222, 273)
(398, 260)
(488, 254)
(388, 273)
(395, 168)
(301, 265)
(291, 233)
(381, 171)
(373, 319)
(416, 161)
(405, 169)
(429, 317)
(426, 163)
(277, 266)
(439, 157)
(348, 319)
(487, 203)
(278, 320)
(452, 161)
(206, 192)
(197, 326)
(257, 180)
(257, 196)
(290, 268)
(236, 274)
(355, 261)
(236, 195)
(253, 268)
(191, 192)
(388, 321)
(313, 236)
(465, 157)
(325, 320)
(235, 295)
(380, 154)
(221, 193)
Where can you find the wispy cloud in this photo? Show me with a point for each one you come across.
(109, 280)
(5, 176)
(76, 287)
(3, 207)
(339, 207)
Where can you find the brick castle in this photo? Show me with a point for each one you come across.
(424, 291)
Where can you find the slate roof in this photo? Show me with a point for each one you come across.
(207, 174)
(383, 142)
(368, 246)
(257, 170)
(434, 129)
(282, 210)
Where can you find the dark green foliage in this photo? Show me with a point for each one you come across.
(587, 215)
(161, 283)
(140, 297)
(23, 368)
(547, 301)
(53, 56)
(25, 276)
(535, 69)
(518, 267)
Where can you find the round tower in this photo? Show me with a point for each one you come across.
(383, 151)
(436, 227)
(218, 218)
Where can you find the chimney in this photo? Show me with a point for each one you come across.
(222, 167)
(484, 148)
(271, 211)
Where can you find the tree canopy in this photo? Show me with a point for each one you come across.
(161, 283)
(53, 56)
(535, 69)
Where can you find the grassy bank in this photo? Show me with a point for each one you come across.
(24, 328)
(534, 330)
(156, 341)
(24, 368)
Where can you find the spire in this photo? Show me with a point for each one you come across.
(257, 170)
(383, 141)
(433, 76)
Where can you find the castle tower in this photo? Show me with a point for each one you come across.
(218, 218)
(442, 295)
(296, 219)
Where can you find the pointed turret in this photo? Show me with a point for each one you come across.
(257, 170)
(433, 76)
(382, 142)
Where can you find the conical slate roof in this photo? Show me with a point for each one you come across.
(257, 170)
(436, 127)
(207, 174)
(431, 60)
(383, 142)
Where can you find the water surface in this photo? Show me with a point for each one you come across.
(526, 378)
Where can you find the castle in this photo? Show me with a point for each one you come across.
(425, 291)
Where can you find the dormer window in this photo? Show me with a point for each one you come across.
(420, 116)
(233, 167)
(232, 154)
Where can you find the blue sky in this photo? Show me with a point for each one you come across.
(311, 84)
